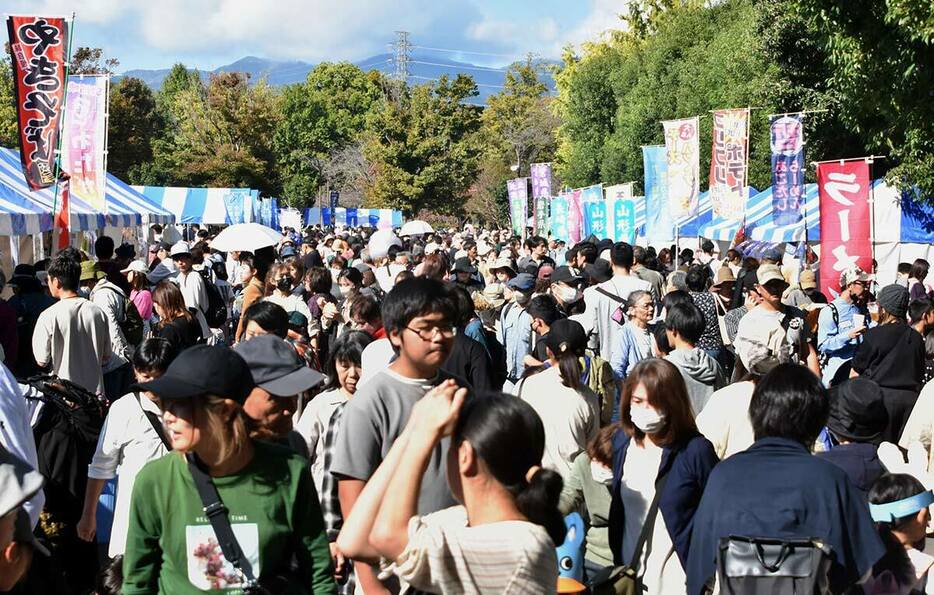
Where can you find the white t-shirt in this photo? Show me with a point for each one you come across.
(571, 418)
(375, 357)
(127, 442)
(16, 434)
(663, 572)
(444, 556)
(73, 335)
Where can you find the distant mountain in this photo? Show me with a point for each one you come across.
(422, 68)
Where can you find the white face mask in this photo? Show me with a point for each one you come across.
(345, 291)
(600, 473)
(646, 419)
(569, 295)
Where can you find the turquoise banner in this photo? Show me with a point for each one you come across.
(659, 226)
(559, 218)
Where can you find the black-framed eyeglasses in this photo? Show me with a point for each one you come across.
(427, 334)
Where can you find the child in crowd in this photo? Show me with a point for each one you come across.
(502, 539)
(684, 325)
(418, 318)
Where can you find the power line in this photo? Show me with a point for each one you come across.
(428, 78)
(458, 66)
(423, 47)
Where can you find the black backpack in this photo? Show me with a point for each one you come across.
(132, 323)
(216, 314)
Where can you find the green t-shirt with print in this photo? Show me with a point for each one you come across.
(274, 512)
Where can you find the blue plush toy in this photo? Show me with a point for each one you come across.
(571, 552)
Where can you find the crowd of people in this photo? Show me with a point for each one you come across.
(354, 411)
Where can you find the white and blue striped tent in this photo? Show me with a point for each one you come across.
(718, 228)
(763, 229)
(125, 207)
(19, 216)
(353, 217)
(213, 206)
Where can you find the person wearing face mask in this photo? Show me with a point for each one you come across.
(566, 289)
(282, 295)
(660, 468)
(514, 332)
(588, 485)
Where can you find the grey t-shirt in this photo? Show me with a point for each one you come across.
(372, 421)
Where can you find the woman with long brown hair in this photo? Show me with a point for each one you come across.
(263, 531)
(660, 462)
(176, 324)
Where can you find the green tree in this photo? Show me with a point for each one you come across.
(87, 60)
(224, 137)
(880, 56)
(320, 117)
(9, 136)
(135, 123)
(423, 147)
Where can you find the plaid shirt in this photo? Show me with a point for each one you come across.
(330, 502)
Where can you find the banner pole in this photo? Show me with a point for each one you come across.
(61, 122)
(872, 212)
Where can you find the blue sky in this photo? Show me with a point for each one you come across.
(210, 33)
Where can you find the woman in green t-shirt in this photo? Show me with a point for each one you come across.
(267, 491)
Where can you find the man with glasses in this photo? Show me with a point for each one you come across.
(841, 324)
(419, 316)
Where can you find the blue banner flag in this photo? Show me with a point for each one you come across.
(659, 226)
(787, 169)
(559, 218)
(623, 214)
(595, 219)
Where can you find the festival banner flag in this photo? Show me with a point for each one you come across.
(787, 169)
(352, 216)
(683, 151)
(728, 163)
(843, 189)
(618, 191)
(593, 208)
(658, 223)
(541, 216)
(541, 180)
(63, 217)
(334, 198)
(559, 218)
(84, 139)
(622, 219)
(518, 204)
(575, 216)
(38, 46)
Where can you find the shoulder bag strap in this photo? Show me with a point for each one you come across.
(217, 513)
(649, 525)
(155, 423)
(612, 296)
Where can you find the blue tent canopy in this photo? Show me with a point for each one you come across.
(215, 206)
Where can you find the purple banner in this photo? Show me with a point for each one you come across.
(541, 180)
(787, 169)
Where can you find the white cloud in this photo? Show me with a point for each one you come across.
(603, 17)
(92, 11)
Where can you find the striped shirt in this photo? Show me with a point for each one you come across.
(444, 555)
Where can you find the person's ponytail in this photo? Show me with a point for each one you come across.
(507, 434)
(538, 501)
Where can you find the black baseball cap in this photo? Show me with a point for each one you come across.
(203, 370)
(566, 335)
(564, 274)
(275, 366)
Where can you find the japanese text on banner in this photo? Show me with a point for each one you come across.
(618, 191)
(518, 204)
(38, 46)
(787, 134)
(845, 220)
(541, 180)
(575, 216)
(541, 216)
(728, 163)
(559, 218)
(84, 139)
(681, 144)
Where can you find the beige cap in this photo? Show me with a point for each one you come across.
(807, 279)
(769, 272)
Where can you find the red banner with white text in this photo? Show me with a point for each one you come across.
(39, 48)
(63, 217)
(844, 220)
